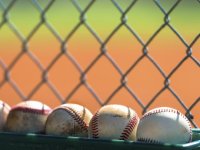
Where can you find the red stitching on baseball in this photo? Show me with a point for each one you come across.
(129, 128)
(31, 110)
(173, 111)
(94, 126)
(77, 117)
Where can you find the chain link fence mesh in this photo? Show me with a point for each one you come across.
(81, 10)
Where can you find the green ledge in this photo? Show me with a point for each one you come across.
(12, 141)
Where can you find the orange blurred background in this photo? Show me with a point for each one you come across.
(144, 79)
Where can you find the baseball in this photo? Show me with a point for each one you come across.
(4, 110)
(69, 120)
(27, 117)
(114, 122)
(164, 125)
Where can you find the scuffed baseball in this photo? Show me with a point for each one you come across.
(69, 120)
(114, 122)
(164, 125)
(4, 110)
(27, 117)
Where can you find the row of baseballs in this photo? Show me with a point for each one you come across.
(160, 125)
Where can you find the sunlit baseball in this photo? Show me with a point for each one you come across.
(164, 125)
(27, 117)
(69, 120)
(114, 122)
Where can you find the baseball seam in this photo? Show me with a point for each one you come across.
(94, 126)
(31, 110)
(77, 117)
(129, 128)
(157, 111)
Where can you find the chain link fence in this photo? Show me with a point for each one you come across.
(103, 51)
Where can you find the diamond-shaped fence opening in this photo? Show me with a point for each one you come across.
(81, 51)
(174, 49)
(129, 49)
(142, 54)
(29, 10)
(63, 24)
(22, 72)
(179, 19)
(142, 77)
(6, 37)
(99, 21)
(64, 76)
(45, 53)
(102, 79)
(150, 18)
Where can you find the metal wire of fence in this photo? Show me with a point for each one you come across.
(103, 52)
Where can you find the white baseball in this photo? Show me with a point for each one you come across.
(27, 117)
(69, 120)
(4, 110)
(164, 125)
(114, 122)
